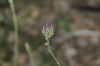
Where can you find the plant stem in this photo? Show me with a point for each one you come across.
(49, 49)
(29, 53)
(16, 32)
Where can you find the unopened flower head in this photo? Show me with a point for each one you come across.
(47, 31)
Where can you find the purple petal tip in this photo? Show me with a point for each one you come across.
(47, 26)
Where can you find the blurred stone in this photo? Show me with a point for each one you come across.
(72, 52)
(95, 40)
(81, 43)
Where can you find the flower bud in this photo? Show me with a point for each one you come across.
(47, 31)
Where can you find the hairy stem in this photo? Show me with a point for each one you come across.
(16, 32)
(49, 49)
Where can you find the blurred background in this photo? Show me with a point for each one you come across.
(76, 37)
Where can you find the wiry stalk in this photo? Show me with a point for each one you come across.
(49, 50)
(16, 32)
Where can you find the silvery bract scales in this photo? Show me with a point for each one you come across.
(47, 31)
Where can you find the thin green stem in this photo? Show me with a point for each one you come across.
(16, 32)
(49, 49)
(29, 53)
